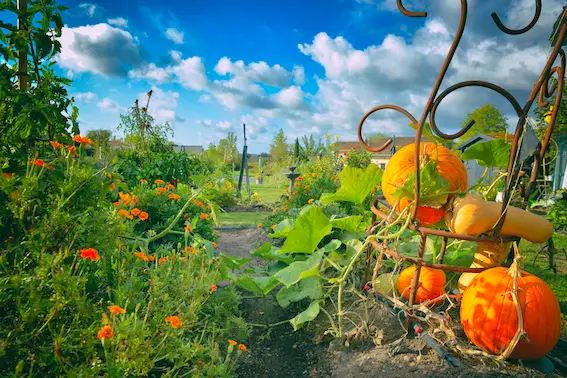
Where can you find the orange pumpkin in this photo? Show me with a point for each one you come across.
(490, 320)
(431, 283)
(402, 165)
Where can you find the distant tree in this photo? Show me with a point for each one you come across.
(227, 147)
(279, 148)
(296, 150)
(542, 114)
(487, 119)
(101, 139)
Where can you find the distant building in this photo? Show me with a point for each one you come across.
(382, 158)
(475, 170)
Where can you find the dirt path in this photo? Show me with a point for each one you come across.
(281, 352)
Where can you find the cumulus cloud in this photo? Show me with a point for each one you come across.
(174, 35)
(223, 125)
(163, 105)
(89, 8)
(118, 21)
(109, 105)
(100, 49)
(85, 96)
(190, 72)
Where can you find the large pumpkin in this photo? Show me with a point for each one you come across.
(402, 165)
(490, 320)
(431, 283)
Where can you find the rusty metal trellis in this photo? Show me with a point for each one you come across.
(541, 89)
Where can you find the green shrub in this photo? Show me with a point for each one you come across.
(81, 296)
(358, 158)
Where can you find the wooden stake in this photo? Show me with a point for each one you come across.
(22, 53)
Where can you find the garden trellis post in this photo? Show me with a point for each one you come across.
(243, 161)
(22, 53)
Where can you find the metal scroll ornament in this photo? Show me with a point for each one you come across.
(542, 90)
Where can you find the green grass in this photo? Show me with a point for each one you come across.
(269, 194)
(243, 218)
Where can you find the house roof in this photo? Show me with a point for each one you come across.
(475, 139)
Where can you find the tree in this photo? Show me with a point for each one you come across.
(488, 120)
(279, 148)
(296, 150)
(227, 147)
(101, 139)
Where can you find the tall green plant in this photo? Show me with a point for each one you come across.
(31, 117)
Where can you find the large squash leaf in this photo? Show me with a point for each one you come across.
(306, 316)
(350, 223)
(434, 188)
(309, 229)
(493, 153)
(268, 252)
(300, 270)
(307, 288)
(257, 285)
(356, 184)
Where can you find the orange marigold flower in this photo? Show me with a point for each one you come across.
(215, 231)
(169, 186)
(242, 347)
(124, 213)
(190, 249)
(314, 174)
(232, 342)
(55, 145)
(273, 226)
(299, 178)
(285, 208)
(162, 259)
(277, 209)
(159, 182)
(135, 211)
(71, 149)
(259, 225)
(116, 203)
(204, 216)
(38, 162)
(198, 203)
(151, 258)
(188, 228)
(82, 139)
(105, 332)
(89, 253)
(142, 181)
(174, 321)
(335, 177)
(163, 190)
(214, 245)
(174, 196)
(141, 255)
(143, 216)
(297, 184)
(295, 192)
(7, 175)
(214, 287)
(116, 309)
(50, 167)
(311, 201)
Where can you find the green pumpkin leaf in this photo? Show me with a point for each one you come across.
(307, 288)
(299, 270)
(434, 188)
(257, 285)
(347, 223)
(356, 184)
(268, 252)
(306, 316)
(282, 229)
(493, 153)
(309, 229)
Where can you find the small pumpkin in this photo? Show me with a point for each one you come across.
(431, 283)
(490, 320)
(402, 165)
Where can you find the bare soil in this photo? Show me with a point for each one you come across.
(378, 349)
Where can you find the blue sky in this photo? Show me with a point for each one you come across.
(309, 67)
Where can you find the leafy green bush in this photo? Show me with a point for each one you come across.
(557, 212)
(167, 166)
(80, 293)
(358, 158)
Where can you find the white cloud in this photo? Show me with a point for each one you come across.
(91, 9)
(163, 105)
(223, 125)
(86, 96)
(204, 122)
(175, 36)
(291, 97)
(118, 21)
(109, 105)
(205, 98)
(100, 49)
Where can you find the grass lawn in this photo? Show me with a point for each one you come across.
(269, 194)
(243, 218)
